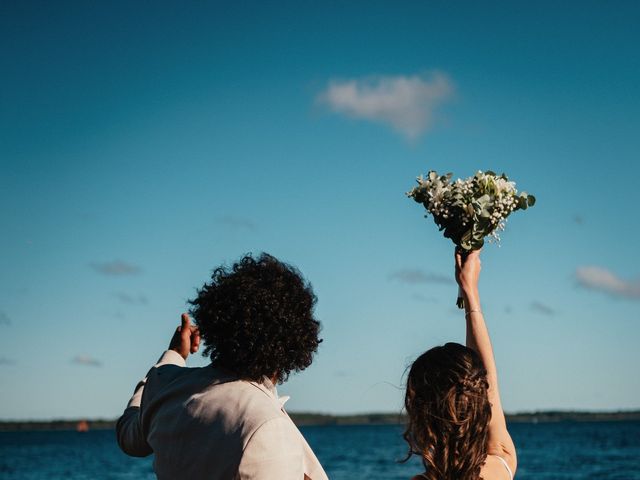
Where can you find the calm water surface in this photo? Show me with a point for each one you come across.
(546, 451)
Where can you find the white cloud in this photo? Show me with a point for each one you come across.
(598, 278)
(423, 298)
(116, 267)
(238, 223)
(86, 360)
(406, 103)
(414, 277)
(128, 299)
(542, 308)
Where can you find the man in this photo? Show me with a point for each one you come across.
(225, 421)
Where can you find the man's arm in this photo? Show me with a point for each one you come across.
(130, 435)
(131, 440)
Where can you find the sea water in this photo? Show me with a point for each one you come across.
(546, 451)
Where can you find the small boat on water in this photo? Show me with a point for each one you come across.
(82, 426)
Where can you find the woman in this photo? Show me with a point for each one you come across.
(456, 423)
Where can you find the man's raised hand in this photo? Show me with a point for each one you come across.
(186, 338)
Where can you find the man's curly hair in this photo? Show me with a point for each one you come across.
(256, 318)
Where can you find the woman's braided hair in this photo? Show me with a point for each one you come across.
(448, 412)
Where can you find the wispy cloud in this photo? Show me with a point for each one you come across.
(414, 277)
(598, 278)
(4, 318)
(423, 298)
(238, 223)
(125, 298)
(542, 308)
(116, 268)
(406, 103)
(4, 361)
(86, 361)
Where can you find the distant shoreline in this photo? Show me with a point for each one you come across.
(310, 419)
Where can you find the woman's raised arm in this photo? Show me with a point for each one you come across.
(499, 441)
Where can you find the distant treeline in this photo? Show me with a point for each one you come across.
(306, 419)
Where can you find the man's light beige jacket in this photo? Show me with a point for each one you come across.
(202, 423)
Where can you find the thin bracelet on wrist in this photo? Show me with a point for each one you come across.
(469, 312)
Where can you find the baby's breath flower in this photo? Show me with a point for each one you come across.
(470, 209)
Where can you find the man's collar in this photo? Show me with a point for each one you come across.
(269, 385)
(266, 385)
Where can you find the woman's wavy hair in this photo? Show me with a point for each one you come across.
(448, 412)
(256, 318)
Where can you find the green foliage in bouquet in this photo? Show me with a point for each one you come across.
(470, 210)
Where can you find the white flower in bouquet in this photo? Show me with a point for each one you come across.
(469, 210)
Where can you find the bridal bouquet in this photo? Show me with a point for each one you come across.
(470, 210)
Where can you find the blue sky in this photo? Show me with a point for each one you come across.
(142, 144)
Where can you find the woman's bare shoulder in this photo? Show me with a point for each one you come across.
(494, 469)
